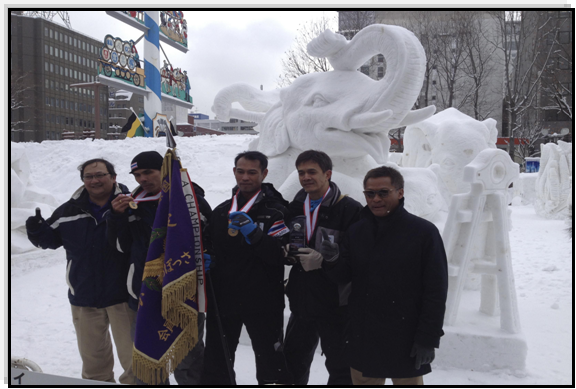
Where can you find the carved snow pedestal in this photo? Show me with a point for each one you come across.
(476, 241)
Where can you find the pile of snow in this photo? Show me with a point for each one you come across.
(42, 329)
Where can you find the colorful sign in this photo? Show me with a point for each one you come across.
(174, 26)
(119, 59)
(161, 125)
(175, 82)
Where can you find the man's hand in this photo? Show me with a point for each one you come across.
(34, 223)
(207, 262)
(309, 258)
(328, 249)
(121, 202)
(424, 355)
(244, 223)
(289, 258)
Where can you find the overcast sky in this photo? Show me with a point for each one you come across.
(225, 47)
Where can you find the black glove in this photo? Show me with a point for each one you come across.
(328, 249)
(34, 223)
(424, 355)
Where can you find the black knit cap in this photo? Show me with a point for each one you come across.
(146, 160)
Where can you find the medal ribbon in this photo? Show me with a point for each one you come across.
(311, 222)
(246, 207)
(142, 195)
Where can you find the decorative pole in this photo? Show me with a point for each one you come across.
(153, 102)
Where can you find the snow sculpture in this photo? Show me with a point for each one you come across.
(24, 198)
(485, 206)
(554, 184)
(342, 112)
(447, 142)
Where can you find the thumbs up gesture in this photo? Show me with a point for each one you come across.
(33, 223)
(329, 250)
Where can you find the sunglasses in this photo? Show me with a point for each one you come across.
(381, 193)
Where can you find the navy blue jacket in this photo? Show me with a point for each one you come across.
(311, 293)
(130, 233)
(249, 278)
(95, 272)
(398, 270)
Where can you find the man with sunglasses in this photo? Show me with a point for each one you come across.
(96, 272)
(318, 305)
(397, 266)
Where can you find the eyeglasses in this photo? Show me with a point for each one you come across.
(381, 193)
(91, 177)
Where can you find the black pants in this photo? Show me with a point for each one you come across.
(302, 336)
(189, 371)
(265, 331)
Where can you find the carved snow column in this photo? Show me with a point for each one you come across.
(490, 174)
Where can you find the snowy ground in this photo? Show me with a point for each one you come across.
(40, 320)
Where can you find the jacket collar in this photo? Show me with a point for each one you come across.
(267, 192)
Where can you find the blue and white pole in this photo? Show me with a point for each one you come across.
(153, 100)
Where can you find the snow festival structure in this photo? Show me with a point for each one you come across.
(451, 162)
(554, 181)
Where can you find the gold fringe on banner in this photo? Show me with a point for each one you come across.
(175, 293)
(154, 268)
(156, 372)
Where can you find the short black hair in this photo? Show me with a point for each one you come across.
(253, 156)
(319, 157)
(384, 171)
(109, 167)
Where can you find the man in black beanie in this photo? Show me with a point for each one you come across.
(129, 229)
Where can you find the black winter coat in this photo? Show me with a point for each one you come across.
(130, 233)
(398, 270)
(95, 272)
(249, 278)
(313, 294)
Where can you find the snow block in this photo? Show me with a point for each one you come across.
(480, 351)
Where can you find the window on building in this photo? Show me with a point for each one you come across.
(51, 50)
(57, 103)
(75, 74)
(51, 33)
(52, 68)
(45, 31)
(66, 72)
(46, 67)
(75, 42)
(433, 98)
(61, 37)
(46, 49)
(47, 101)
(51, 84)
(380, 58)
(564, 36)
(380, 72)
(433, 82)
(75, 59)
(57, 119)
(65, 38)
(83, 45)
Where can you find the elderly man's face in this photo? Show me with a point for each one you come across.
(381, 196)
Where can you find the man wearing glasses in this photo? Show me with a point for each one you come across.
(96, 272)
(397, 265)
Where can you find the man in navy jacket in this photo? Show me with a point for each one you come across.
(397, 265)
(96, 272)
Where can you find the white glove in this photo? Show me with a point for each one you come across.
(310, 259)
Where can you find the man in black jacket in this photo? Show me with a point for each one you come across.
(129, 230)
(248, 232)
(318, 305)
(95, 273)
(397, 265)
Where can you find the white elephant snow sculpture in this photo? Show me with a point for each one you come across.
(554, 184)
(446, 143)
(341, 112)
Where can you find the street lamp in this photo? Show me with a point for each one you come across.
(96, 85)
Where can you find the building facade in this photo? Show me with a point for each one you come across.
(45, 60)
